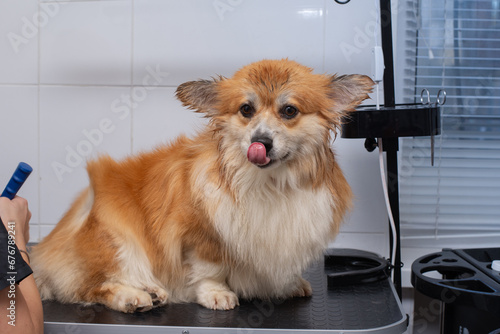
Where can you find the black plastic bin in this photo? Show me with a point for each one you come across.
(469, 288)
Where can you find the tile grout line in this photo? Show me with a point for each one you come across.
(132, 28)
(325, 12)
(39, 208)
(83, 85)
(19, 84)
(74, 1)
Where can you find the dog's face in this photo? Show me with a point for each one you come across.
(274, 111)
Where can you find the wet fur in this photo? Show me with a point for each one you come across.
(195, 221)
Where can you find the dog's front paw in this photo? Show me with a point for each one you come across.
(303, 290)
(219, 300)
(216, 296)
(129, 300)
(158, 295)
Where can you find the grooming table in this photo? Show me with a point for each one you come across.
(371, 307)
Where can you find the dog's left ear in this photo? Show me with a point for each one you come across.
(348, 91)
(200, 95)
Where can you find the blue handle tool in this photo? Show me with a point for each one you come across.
(20, 175)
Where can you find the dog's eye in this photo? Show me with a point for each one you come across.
(247, 110)
(289, 112)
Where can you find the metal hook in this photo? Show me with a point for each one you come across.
(440, 98)
(425, 90)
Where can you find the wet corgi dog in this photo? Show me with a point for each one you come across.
(239, 211)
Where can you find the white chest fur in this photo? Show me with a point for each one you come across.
(274, 231)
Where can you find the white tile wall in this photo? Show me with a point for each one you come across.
(19, 42)
(86, 43)
(371, 242)
(88, 61)
(206, 38)
(349, 32)
(19, 142)
(362, 172)
(76, 124)
(160, 118)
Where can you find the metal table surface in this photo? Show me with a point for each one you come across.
(364, 308)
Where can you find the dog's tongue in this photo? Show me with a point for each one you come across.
(257, 154)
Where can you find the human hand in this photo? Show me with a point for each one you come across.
(17, 211)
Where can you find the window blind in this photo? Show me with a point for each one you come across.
(452, 45)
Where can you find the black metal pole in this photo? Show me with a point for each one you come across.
(391, 145)
(386, 29)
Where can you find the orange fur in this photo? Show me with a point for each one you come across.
(195, 220)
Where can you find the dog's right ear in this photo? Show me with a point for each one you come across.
(200, 95)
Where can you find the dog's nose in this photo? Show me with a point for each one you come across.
(264, 140)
